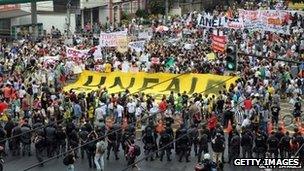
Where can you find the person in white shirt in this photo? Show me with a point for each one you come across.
(101, 111)
(119, 114)
(131, 107)
(246, 121)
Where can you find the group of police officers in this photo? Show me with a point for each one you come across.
(56, 136)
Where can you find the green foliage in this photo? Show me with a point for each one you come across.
(297, 1)
(142, 13)
(159, 6)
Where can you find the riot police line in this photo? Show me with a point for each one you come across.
(76, 146)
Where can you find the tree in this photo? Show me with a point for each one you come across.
(142, 13)
(158, 6)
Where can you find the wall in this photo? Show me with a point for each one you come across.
(103, 14)
(56, 20)
(92, 3)
(48, 20)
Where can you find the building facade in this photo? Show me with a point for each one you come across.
(107, 11)
(15, 19)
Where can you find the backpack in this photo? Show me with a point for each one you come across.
(246, 140)
(235, 141)
(218, 144)
(137, 151)
(66, 160)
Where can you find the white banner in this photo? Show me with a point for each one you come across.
(110, 39)
(76, 54)
(138, 46)
(267, 20)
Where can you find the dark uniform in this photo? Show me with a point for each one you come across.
(234, 147)
(193, 133)
(26, 139)
(260, 145)
(83, 136)
(284, 146)
(39, 142)
(90, 148)
(164, 140)
(112, 144)
(203, 143)
(15, 143)
(149, 140)
(183, 145)
(247, 144)
(60, 140)
(50, 135)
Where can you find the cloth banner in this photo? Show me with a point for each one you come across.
(210, 21)
(156, 84)
(218, 43)
(111, 39)
(76, 54)
(267, 20)
(122, 44)
(138, 46)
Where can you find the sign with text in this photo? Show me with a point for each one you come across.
(156, 84)
(76, 54)
(111, 39)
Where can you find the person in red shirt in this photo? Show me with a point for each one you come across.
(212, 122)
(247, 105)
(163, 105)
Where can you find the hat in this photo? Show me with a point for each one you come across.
(207, 156)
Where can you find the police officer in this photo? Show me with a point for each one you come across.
(149, 140)
(2, 138)
(203, 141)
(50, 135)
(39, 142)
(260, 145)
(273, 144)
(166, 138)
(234, 146)
(218, 147)
(247, 143)
(26, 138)
(112, 143)
(284, 146)
(17, 140)
(91, 147)
(279, 134)
(193, 134)
(83, 136)
(60, 139)
(183, 143)
(73, 141)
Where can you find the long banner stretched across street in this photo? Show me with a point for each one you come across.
(155, 84)
(267, 20)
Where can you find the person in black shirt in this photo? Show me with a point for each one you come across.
(275, 109)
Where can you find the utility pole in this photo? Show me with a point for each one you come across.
(34, 19)
(167, 11)
(68, 21)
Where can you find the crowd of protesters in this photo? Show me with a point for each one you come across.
(34, 109)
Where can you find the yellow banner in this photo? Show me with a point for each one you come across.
(156, 84)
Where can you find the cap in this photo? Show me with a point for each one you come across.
(207, 156)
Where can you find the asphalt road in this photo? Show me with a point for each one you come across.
(21, 163)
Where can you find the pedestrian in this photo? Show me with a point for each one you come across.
(69, 161)
(101, 147)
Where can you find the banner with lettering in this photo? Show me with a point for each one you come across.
(111, 39)
(138, 46)
(210, 21)
(218, 43)
(156, 84)
(76, 54)
(267, 20)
